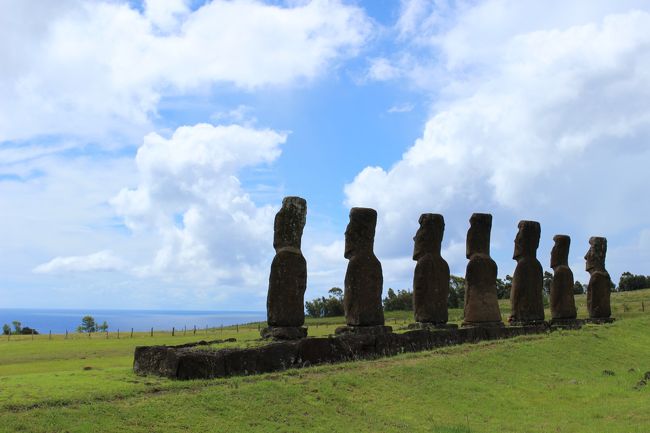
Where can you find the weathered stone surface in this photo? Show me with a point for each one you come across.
(191, 363)
(481, 303)
(431, 326)
(563, 305)
(431, 276)
(566, 323)
(284, 332)
(363, 279)
(598, 290)
(358, 330)
(288, 277)
(526, 295)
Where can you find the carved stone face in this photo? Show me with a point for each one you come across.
(289, 223)
(360, 232)
(595, 257)
(560, 251)
(428, 238)
(478, 235)
(527, 239)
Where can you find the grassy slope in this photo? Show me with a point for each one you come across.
(549, 383)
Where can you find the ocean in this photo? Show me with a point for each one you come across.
(60, 320)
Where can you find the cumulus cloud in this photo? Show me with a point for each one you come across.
(91, 68)
(541, 116)
(96, 262)
(189, 196)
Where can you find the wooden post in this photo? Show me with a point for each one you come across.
(66, 334)
(32, 334)
(194, 329)
(173, 329)
(50, 336)
(222, 328)
(118, 333)
(237, 326)
(152, 332)
(184, 330)
(131, 332)
(107, 335)
(206, 329)
(642, 306)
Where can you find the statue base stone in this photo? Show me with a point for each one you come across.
(566, 323)
(432, 326)
(498, 324)
(284, 332)
(363, 330)
(600, 320)
(526, 322)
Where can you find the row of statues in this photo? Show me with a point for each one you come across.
(364, 279)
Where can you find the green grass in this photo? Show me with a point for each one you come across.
(546, 383)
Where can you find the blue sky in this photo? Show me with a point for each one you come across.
(146, 146)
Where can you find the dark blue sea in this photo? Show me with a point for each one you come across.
(58, 321)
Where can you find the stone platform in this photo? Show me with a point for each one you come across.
(190, 362)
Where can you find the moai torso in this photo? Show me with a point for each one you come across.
(598, 290)
(288, 279)
(363, 279)
(563, 305)
(431, 277)
(526, 295)
(481, 303)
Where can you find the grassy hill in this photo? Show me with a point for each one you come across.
(568, 381)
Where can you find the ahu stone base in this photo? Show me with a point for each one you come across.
(284, 332)
(363, 330)
(432, 326)
(205, 363)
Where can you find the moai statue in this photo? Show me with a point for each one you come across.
(363, 279)
(431, 277)
(527, 293)
(563, 305)
(481, 303)
(288, 280)
(599, 287)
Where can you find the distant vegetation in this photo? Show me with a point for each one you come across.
(19, 329)
(88, 324)
(402, 299)
(630, 282)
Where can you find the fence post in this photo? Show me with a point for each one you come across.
(152, 332)
(50, 336)
(107, 335)
(118, 333)
(222, 328)
(131, 332)
(194, 329)
(642, 306)
(32, 334)
(66, 334)
(173, 330)
(206, 329)
(184, 330)
(237, 326)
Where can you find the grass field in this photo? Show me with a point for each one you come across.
(568, 381)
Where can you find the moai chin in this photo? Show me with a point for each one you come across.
(481, 303)
(563, 305)
(527, 293)
(598, 290)
(431, 276)
(288, 278)
(363, 278)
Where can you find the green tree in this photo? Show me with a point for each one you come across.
(402, 300)
(103, 327)
(578, 288)
(6, 329)
(88, 324)
(326, 307)
(630, 281)
(18, 327)
(456, 292)
(548, 279)
(503, 287)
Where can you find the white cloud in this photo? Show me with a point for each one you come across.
(541, 116)
(190, 198)
(91, 68)
(99, 261)
(402, 108)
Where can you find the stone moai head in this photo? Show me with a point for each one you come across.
(289, 223)
(478, 235)
(429, 236)
(560, 251)
(595, 257)
(527, 239)
(360, 232)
